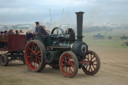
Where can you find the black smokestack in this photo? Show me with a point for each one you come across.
(79, 25)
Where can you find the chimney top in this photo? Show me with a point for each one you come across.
(81, 12)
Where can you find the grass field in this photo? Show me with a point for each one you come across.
(115, 42)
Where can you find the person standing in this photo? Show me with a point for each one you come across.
(40, 31)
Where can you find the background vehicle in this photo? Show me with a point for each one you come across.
(12, 48)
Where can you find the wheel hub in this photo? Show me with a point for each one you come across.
(33, 55)
(91, 63)
(67, 64)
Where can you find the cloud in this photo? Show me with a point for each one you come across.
(12, 11)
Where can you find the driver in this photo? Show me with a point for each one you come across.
(40, 30)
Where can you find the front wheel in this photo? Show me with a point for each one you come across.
(93, 65)
(68, 64)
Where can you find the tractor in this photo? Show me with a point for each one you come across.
(60, 51)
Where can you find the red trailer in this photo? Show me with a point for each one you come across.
(13, 47)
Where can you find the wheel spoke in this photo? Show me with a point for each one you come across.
(36, 61)
(87, 57)
(37, 53)
(86, 66)
(93, 66)
(63, 65)
(38, 58)
(30, 59)
(89, 68)
(31, 50)
(65, 69)
(69, 57)
(65, 59)
(36, 48)
(39, 61)
(92, 57)
(94, 61)
(33, 46)
(70, 70)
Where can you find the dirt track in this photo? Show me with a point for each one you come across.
(113, 71)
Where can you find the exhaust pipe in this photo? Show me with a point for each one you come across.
(79, 25)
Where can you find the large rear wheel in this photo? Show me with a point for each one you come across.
(3, 60)
(93, 65)
(34, 55)
(68, 64)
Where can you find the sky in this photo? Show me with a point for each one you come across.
(63, 11)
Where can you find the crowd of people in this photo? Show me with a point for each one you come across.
(10, 32)
(29, 34)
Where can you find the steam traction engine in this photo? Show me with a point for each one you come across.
(60, 52)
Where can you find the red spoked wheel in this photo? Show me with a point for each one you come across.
(3, 60)
(93, 65)
(68, 64)
(34, 55)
